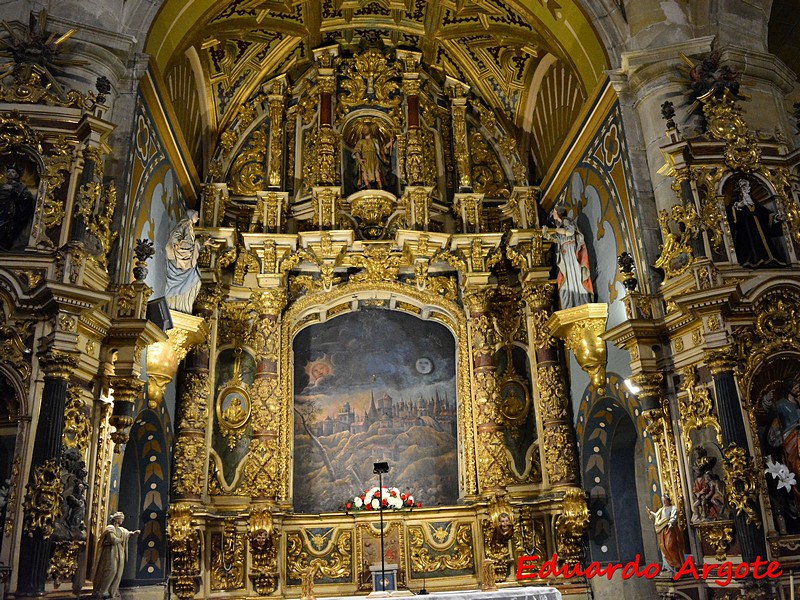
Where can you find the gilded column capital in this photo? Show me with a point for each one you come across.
(327, 84)
(721, 360)
(410, 85)
(125, 387)
(58, 364)
(269, 302)
(539, 294)
(324, 56)
(650, 385)
(478, 301)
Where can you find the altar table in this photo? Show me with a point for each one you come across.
(515, 593)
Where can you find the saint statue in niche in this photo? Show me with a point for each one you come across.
(775, 391)
(371, 142)
(17, 206)
(708, 498)
(784, 435)
(755, 229)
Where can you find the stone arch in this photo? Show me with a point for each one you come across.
(598, 419)
(620, 477)
(610, 24)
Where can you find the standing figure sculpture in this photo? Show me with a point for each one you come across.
(372, 159)
(183, 276)
(670, 536)
(574, 277)
(785, 432)
(755, 230)
(112, 554)
(17, 206)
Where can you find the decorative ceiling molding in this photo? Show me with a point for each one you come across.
(495, 46)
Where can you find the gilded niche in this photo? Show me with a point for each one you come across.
(370, 156)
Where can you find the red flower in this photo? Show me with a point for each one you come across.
(368, 506)
(419, 504)
(348, 506)
(385, 502)
(410, 502)
(403, 496)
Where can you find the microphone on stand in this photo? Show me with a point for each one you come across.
(423, 591)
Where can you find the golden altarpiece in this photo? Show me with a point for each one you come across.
(372, 189)
(715, 352)
(373, 162)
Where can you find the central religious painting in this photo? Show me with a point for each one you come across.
(374, 385)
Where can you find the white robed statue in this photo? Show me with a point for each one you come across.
(112, 554)
(574, 278)
(183, 276)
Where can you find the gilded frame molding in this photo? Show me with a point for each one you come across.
(317, 307)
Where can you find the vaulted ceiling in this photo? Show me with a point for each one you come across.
(533, 61)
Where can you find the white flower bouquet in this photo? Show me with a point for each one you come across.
(389, 498)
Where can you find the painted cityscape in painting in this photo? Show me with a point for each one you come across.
(371, 386)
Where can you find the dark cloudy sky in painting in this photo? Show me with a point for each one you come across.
(374, 349)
